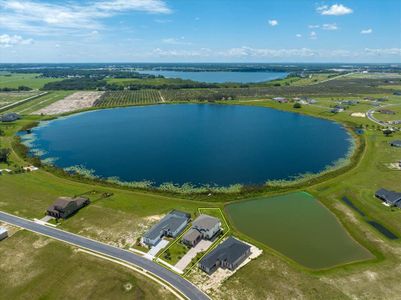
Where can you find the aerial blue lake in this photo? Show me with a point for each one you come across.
(220, 77)
(192, 143)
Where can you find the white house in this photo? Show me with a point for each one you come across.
(3, 233)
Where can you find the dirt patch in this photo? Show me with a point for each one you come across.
(358, 115)
(123, 231)
(76, 101)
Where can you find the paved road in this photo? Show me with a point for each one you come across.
(371, 117)
(182, 285)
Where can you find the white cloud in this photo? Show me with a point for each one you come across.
(7, 41)
(367, 31)
(175, 41)
(334, 10)
(39, 17)
(383, 51)
(163, 21)
(313, 35)
(273, 22)
(332, 26)
(298, 35)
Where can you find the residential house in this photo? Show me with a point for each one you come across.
(10, 117)
(280, 100)
(204, 227)
(3, 233)
(396, 143)
(228, 255)
(66, 206)
(386, 111)
(337, 109)
(171, 226)
(389, 197)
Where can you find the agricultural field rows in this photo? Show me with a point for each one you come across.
(7, 98)
(126, 98)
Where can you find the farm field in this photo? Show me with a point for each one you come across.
(298, 226)
(126, 98)
(41, 102)
(14, 80)
(7, 98)
(36, 267)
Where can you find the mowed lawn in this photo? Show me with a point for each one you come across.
(298, 226)
(36, 267)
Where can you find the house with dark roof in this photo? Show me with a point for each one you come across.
(389, 197)
(228, 255)
(170, 226)
(396, 143)
(10, 117)
(204, 227)
(66, 206)
(386, 111)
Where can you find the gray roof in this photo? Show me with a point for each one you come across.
(9, 117)
(205, 222)
(191, 235)
(62, 202)
(230, 251)
(171, 222)
(389, 196)
(396, 143)
(2, 230)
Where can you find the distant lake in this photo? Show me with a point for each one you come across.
(195, 143)
(220, 77)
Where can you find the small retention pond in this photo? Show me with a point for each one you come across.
(298, 226)
(190, 143)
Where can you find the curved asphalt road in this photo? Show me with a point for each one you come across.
(179, 283)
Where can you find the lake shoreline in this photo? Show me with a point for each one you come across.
(187, 189)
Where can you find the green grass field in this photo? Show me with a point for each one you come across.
(8, 98)
(15, 80)
(35, 267)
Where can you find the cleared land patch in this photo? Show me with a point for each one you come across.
(76, 101)
(298, 226)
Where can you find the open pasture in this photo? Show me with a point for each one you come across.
(33, 81)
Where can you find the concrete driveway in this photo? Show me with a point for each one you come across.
(154, 250)
(202, 246)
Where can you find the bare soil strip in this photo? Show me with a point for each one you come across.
(76, 101)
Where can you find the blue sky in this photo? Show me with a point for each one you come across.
(200, 31)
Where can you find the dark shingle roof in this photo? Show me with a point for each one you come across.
(191, 235)
(389, 196)
(230, 251)
(9, 117)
